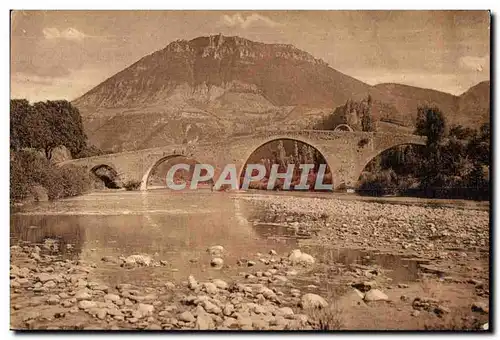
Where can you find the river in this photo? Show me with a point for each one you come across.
(176, 227)
(354, 241)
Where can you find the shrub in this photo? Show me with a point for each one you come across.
(132, 185)
(29, 169)
(326, 319)
(378, 184)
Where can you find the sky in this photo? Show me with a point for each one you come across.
(63, 54)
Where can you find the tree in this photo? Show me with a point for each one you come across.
(460, 132)
(62, 125)
(366, 118)
(430, 123)
(19, 114)
(28, 126)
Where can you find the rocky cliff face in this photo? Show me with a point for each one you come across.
(213, 86)
(203, 69)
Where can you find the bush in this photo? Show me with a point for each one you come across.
(378, 184)
(326, 319)
(29, 169)
(132, 185)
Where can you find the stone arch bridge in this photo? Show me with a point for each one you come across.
(347, 153)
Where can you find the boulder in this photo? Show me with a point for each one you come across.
(220, 284)
(141, 260)
(143, 310)
(298, 257)
(192, 283)
(480, 307)
(310, 300)
(210, 288)
(204, 322)
(217, 262)
(375, 295)
(86, 304)
(186, 316)
(215, 250)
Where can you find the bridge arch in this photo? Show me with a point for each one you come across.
(263, 142)
(109, 175)
(343, 127)
(154, 166)
(365, 161)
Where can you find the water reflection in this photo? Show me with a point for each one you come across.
(68, 232)
(176, 227)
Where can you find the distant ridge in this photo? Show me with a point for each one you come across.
(217, 85)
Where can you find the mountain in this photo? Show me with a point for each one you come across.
(217, 86)
(474, 105)
(472, 108)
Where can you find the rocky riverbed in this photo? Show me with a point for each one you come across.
(358, 265)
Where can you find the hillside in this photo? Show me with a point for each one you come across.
(472, 108)
(474, 105)
(216, 86)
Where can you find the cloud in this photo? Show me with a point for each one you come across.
(237, 20)
(474, 63)
(40, 88)
(70, 33)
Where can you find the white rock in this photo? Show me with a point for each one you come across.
(310, 300)
(215, 250)
(210, 288)
(143, 310)
(111, 297)
(186, 317)
(296, 256)
(86, 304)
(375, 295)
(220, 284)
(217, 262)
(284, 311)
(142, 260)
(192, 284)
(204, 322)
(82, 295)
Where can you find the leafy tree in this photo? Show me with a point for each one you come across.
(60, 124)
(430, 123)
(366, 118)
(460, 132)
(27, 126)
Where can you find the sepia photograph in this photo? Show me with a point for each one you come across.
(250, 170)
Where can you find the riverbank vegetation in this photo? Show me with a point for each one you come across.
(36, 130)
(454, 163)
(34, 178)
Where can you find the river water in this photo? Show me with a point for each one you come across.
(176, 227)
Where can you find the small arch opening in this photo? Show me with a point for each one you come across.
(282, 152)
(343, 127)
(105, 177)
